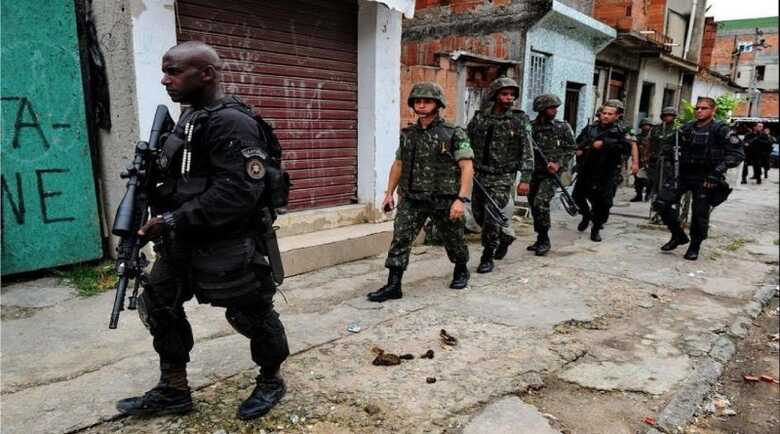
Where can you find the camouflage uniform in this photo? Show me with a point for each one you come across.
(556, 141)
(430, 180)
(428, 185)
(661, 136)
(501, 147)
(640, 179)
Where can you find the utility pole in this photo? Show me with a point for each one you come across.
(752, 91)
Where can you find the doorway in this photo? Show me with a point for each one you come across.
(571, 104)
(646, 100)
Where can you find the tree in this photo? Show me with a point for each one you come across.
(724, 106)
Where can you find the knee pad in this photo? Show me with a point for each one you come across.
(144, 306)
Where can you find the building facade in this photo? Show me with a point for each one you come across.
(654, 59)
(746, 51)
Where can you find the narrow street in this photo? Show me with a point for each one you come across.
(593, 338)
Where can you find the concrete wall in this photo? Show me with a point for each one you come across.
(664, 77)
(379, 62)
(573, 45)
(710, 87)
(113, 23)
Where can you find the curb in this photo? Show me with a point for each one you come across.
(683, 405)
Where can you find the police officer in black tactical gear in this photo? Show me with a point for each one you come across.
(708, 148)
(213, 178)
(601, 147)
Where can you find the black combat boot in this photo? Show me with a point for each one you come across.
(170, 396)
(503, 247)
(584, 223)
(534, 246)
(678, 239)
(270, 389)
(637, 197)
(485, 262)
(393, 288)
(693, 251)
(460, 277)
(595, 236)
(542, 244)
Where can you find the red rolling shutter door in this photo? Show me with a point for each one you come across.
(295, 62)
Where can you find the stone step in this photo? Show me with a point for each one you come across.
(325, 248)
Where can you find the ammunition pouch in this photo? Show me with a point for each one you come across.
(223, 271)
(277, 187)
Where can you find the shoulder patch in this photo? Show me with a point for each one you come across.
(249, 153)
(255, 168)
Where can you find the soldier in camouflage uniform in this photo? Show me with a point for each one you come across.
(499, 137)
(640, 179)
(661, 136)
(556, 141)
(433, 172)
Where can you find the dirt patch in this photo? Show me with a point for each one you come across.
(753, 405)
(573, 409)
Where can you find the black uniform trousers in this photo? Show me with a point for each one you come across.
(757, 163)
(691, 179)
(253, 315)
(594, 198)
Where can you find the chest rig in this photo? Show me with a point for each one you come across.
(428, 163)
(497, 142)
(700, 146)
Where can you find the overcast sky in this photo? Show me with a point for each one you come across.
(737, 9)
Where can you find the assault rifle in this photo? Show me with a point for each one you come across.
(566, 199)
(133, 213)
(492, 208)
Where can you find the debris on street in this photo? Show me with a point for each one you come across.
(447, 339)
(427, 355)
(430, 380)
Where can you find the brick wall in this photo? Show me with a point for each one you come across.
(424, 52)
(443, 74)
(768, 105)
(723, 46)
(624, 15)
(708, 41)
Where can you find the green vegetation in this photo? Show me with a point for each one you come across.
(724, 105)
(89, 278)
(736, 244)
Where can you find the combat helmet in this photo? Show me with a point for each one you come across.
(669, 110)
(543, 102)
(502, 83)
(616, 103)
(645, 121)
(427, 89)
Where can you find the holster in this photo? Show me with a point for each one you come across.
(718, 194)
(269, 245)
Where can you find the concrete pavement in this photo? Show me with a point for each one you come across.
(610, 332)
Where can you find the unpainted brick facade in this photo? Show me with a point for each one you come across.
(492, 29)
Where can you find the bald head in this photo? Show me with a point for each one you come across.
(191, 73)
(196, 54)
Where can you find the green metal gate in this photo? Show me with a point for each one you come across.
(49, 206)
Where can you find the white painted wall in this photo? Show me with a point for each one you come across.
(710, 88)
(379, 87)
(664, 76)
(154, 32)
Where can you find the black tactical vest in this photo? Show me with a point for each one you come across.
(701, 146)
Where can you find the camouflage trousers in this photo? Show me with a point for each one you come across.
(492, 232)
(410, 218)
(542, 190)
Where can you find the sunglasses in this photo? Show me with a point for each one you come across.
(702, 108)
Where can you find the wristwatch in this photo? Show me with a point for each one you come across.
(463, 199)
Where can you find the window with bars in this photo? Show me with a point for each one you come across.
(537, 74)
